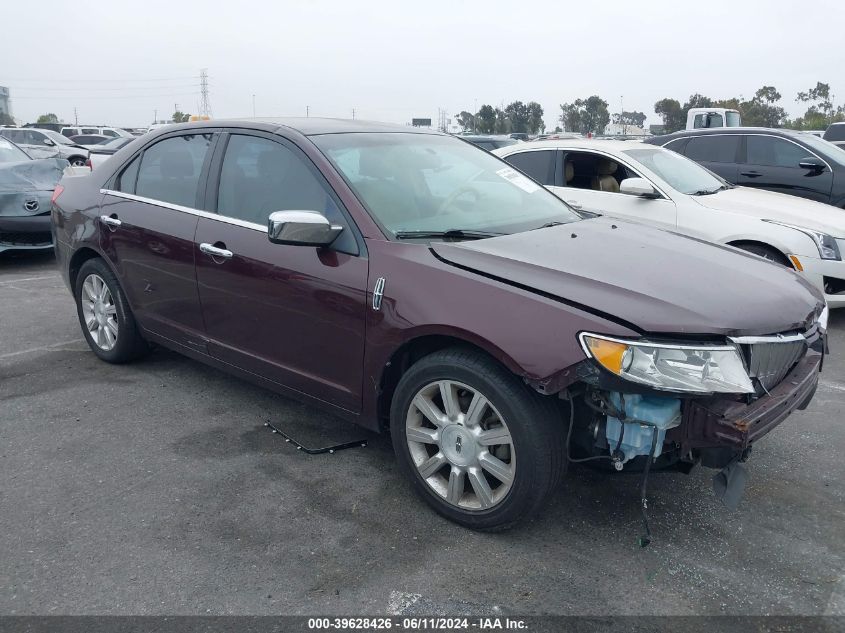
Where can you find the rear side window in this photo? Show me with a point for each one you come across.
(539, 165)
(835, 133)
(677, 145)
(127, 178)
(713, 149)
(170, 170)
(774, 152)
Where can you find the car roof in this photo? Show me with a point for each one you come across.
(580, 143)
(731, 130)
(307, 126)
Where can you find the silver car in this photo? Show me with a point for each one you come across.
(40, 143)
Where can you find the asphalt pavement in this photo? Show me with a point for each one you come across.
(155, 488)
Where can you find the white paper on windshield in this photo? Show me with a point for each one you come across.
(517, 179)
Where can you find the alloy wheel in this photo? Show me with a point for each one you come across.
(460, 445)
(99, 312)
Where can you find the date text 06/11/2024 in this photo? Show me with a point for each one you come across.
(417, 624)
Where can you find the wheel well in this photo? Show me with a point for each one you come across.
(79, 257)
(408, 354)
(776, 251)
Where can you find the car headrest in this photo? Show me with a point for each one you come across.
(606, 167)
(568, 171)
(177, 164)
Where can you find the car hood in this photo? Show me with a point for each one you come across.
(645, 278)
(778, 206)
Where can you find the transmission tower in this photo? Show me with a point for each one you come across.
(205, 104)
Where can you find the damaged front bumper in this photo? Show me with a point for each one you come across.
(26, 232)
(716, 422)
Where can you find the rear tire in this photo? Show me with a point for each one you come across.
(495, 450)
(105, 316)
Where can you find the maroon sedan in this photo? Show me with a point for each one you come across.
(411, 282)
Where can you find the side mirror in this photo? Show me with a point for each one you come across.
(638, 187)
(301, 228)
(47, 141)
(812, 163)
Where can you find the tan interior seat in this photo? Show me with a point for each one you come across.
(604, 180)
(568, 171)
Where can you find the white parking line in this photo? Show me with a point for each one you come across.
(54, 347)
(17, 281)
(831, 386)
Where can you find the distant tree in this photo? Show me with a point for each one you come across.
(697, 101)
(587, 116)
(535, 118)
(558, 129)
(673, 116)
(517, 114)
(466, 121)
(503, 124)
(47, 118)
(820, 112)
(760, 110)
(6, 119)
(485, 119)
(629, 118)
(181, 117)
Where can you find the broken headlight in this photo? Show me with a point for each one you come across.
(670, 367)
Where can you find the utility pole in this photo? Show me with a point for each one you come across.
(155, 116)
(253, 106)
(622, 114)
(75, 116)
(205, 103)
(353, 114)
(308, 112)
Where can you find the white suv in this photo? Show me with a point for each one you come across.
(94, 129)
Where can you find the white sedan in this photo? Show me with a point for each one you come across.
(656, 186)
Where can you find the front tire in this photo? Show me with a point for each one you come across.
(476, 443)
(104, 315)
(766, 252)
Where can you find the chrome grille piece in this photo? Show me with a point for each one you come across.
(770, 358)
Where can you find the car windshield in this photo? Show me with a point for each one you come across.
(827, 149)
(435, 184)
(58, 138)
(679, 172)
(10, 153)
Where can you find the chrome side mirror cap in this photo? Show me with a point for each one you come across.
(638, 187)
(301, 228)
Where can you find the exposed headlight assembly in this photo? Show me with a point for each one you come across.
(828, 248)
(681, 368)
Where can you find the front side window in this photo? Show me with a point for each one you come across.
(774, 152)
(713, 149)
(678, 172)
(540, 165)
(432, 183)
(170, 170)
(10, 153)
(260, 176)
(733, 119)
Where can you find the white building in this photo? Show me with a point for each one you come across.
(5, 101)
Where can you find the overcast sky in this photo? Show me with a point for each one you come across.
(118, 62)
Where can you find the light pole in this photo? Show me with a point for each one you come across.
(253, 106)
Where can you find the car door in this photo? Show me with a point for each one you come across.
(577, 171)
(771, 162)
(34, 144)
(717, 152)
(292, 314)
(148, 219)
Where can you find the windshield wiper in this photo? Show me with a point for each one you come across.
(457, 234)
(707, 192)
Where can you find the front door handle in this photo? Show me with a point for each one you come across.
(111, 220)
(214, 251)
(575, 205)
(750, 174)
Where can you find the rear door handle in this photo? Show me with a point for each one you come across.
(750, 174)
(111, 220)
(214, 251)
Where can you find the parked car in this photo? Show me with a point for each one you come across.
(698, 118)
(489, 142)
(835, 133)
(658, 187)
(46, 144)
(94, 129)
(26, 186)
(90, 140)
(102, 152)
(784, 161)
(405, 280)
(519, 136)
